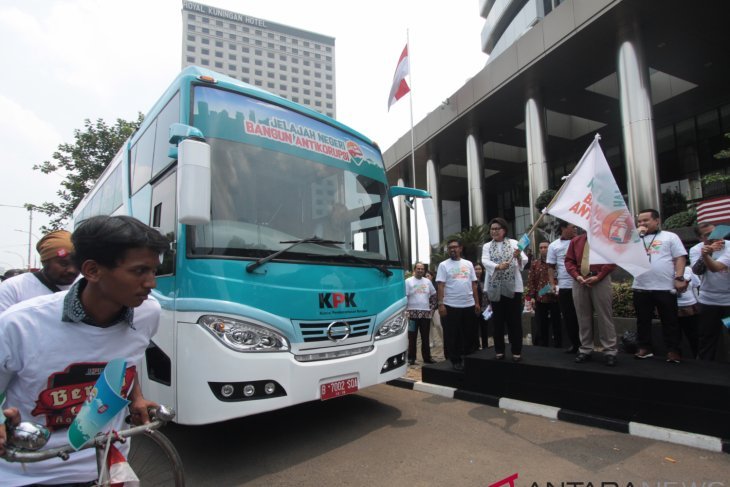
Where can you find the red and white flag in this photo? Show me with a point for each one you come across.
(400, 87)
(591, 199)
(120, 472)
(714, 210)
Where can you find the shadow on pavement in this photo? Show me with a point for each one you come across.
(241, 450)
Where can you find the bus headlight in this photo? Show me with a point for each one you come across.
(244, 336)
(394, 325)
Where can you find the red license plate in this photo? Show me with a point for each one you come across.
(338, 388)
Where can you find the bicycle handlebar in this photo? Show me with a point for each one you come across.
(13, 454)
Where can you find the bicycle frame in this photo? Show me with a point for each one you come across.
(100, 442)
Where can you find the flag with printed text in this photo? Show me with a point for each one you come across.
(591, 199)
(400, 87)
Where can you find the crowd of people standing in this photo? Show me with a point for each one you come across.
(572, 299)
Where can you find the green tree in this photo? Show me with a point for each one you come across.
(544, 199)
(725, 153)
(83, 161)
(548, 227)
(718, 180)
(472, 239)
(673, 202)
(681, 219)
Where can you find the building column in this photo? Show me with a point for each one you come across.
(638, 128)
(404, 228)
(433, 188)
(475, 177)
(537, 171)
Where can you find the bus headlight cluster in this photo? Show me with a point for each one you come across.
(244, 391)
(393, 362)
(244, 336)
(394, 325)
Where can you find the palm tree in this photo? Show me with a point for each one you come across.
(472, 239)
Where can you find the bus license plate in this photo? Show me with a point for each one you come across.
(338, 388)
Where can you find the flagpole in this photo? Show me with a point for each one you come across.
(413, 150)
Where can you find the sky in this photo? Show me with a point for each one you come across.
(70, 60)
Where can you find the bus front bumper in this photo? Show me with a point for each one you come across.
(212, 379)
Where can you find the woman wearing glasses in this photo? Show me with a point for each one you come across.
(504, 260)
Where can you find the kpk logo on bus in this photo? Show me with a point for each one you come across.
(334, 300)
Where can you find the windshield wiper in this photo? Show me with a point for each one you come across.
(315, 239)
(320, 241)
(381, 268)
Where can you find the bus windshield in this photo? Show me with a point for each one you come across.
(266, 194)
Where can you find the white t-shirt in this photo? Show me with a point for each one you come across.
(21, 287)
(418, 292)
(556, 255)
(689, 297)
(662, 248)
(715, 286)
(46, 366)
(457, 276)
(695, 253)
(517, 264)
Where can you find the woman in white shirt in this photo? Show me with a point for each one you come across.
(503, 284)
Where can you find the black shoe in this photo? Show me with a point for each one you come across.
(412, 361)
(643, 353)
(429, 361)
(458, 366)
(611, 360)
(674, 358)
(582, 357)
(572, 350)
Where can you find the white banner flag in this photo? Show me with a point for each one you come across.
(590, 199)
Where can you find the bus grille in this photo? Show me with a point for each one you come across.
(335, 331)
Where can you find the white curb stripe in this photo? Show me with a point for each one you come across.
(550, 412)
(675, 436)
(694, 440)
(434, 389)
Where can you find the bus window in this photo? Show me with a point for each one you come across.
(164, 217)
(169, 115)
(143, 153)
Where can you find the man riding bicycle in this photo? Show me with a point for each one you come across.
(53, 348)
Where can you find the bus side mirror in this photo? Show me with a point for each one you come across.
(193, 182)
(179, 132)
(430, 213)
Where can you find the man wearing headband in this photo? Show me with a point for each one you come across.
(57, 274)
(54, 348)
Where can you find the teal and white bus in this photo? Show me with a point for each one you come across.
(284, 282)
